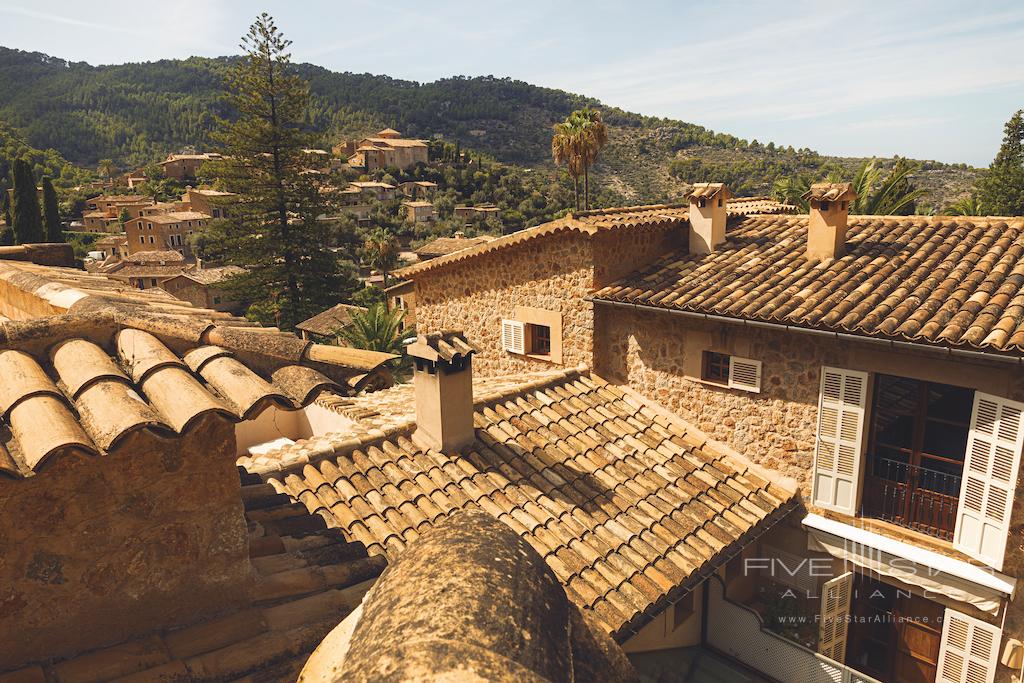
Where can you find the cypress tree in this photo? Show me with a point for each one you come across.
(28, 222)
(272, 230)
(5, 204)
(1001, 187)
(51, 213)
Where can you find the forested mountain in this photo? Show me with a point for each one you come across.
(137, 113)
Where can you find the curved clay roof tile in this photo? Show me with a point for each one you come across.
(110, 409)
(303, 384)
(246, 390)
(143, 353)
(44, 426)
(22, 378)
(179, 398)
(80, 362)
(200, 356)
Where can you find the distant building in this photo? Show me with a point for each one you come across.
(203, 287)
(148, 269)
(470, 213)
(443, 246)
(419, 212)
(185, 166)
(419, 189)
(387, 149)
(212, 202)
(324, 327)
(375, 190)
(103, 213)
(164, 231)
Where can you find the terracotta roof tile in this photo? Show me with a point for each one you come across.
(949, 281)
(592, 222)
(81, 383)
(602, 503)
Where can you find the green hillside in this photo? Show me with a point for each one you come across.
(137, 113)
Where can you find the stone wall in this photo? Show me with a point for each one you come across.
(556, 273)
(553, 273)
(94, 549)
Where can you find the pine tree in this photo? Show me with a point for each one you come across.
(51, 213)
(1001, 187)
(27, 220)
(272, 231)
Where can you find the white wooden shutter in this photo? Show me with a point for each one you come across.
(840, 436)
(835, 617)
(989, 478)
(744, 374)
(968, 651)
(513, 336)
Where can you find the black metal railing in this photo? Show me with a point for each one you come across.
(912, 496)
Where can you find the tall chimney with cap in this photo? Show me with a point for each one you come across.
(443, 384)
(826, 225)
(707, 216)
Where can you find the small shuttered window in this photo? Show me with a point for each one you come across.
(835, 613)
(513, 336)
(969, 650)
(841, 404)
(989, 479)
(744, 374)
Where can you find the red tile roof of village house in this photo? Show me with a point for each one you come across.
(591, 222)
(946, 281)
(306, 579)
(442, 246)
(330, 321)
(630, 507)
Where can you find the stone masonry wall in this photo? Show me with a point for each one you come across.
(552, 272)
(94, 550)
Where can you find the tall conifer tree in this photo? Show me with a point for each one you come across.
(28, 222)
(272, 230)
(1001, 187)
(51, 213)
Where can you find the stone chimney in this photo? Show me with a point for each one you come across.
(443, 384)
(707, 216)
(826, 226)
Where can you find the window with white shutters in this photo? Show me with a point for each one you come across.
(744, 374)
(513, 336)
(969, 650)
(835, 617)
(840, 439)
(989, 479)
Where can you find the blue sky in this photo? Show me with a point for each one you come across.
(930, 79)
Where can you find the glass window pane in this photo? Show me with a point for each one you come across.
(945, 440)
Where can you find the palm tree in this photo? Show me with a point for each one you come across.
(966, 206)
(378, 329)
(381, 252)
(107, 168)
(594, 137)
(888, 195)
(567, 149)
(791, 190)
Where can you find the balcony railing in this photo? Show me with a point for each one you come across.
(912, 496)
(738, 632)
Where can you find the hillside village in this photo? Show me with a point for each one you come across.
(391, 409)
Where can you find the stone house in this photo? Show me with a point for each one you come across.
(402, 297)
(419, 211)
(165, 230)
(419, 189)
(373, 190)
(203, 287)
(103, 213)
(147, 269)
(183, 167)
(214, 203)
(873, 360)
(388, 149)
(324, 326)
(479, 211)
